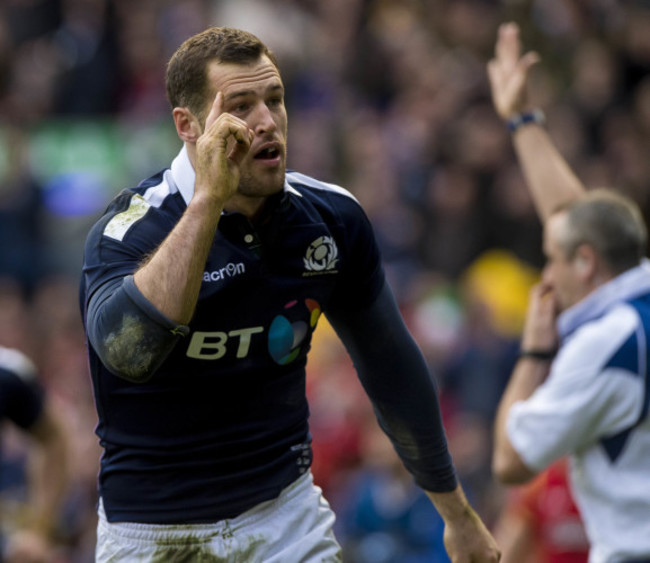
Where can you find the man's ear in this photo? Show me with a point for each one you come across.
(187, 125)
(586, 262)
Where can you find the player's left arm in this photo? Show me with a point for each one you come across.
(395, 376)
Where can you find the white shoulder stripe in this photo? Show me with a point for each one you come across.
(313, 183)
(116, 228)
(16, 362)
(154, 196)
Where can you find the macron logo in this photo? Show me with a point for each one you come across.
(228, 271)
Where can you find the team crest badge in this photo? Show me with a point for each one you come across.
(321, 257)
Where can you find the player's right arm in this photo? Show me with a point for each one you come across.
(136, 301)
(171, 278)
(549, 177)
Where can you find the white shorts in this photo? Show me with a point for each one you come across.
(295, 527)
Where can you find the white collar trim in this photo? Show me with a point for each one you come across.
(185, 177)
(626, 286)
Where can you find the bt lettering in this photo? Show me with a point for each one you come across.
(214, 345)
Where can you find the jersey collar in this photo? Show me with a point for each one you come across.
(183, 174)
(628, 285)
(184, 177)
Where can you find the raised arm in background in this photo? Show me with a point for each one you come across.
(550, 179)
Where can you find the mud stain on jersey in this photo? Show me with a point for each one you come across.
(131, 351)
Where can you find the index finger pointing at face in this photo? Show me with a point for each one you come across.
(215, 111)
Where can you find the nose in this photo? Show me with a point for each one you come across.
(263, 120)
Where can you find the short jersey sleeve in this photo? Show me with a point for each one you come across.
(119, 241)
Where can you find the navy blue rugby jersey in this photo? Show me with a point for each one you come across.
(223, 423)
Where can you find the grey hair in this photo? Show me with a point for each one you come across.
(609, 222)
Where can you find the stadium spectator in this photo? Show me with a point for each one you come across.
(590, 400)
(201, 289)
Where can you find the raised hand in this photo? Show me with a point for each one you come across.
(225, 142)
(540, 332)
(508, 72)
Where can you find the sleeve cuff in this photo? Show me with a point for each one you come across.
(150, 310)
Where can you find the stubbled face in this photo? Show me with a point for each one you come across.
(563, 274)
(255, 94)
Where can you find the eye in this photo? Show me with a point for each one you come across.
(275, 101)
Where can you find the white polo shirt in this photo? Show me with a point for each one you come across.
(594, 408)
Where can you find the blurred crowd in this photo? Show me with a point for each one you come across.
(388, 98)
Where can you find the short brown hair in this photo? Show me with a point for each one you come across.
(611, 224)
(186, 78)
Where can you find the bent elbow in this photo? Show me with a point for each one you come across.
(131, 338)
(132, 352)
(510, 470)
(503, 473)
(133, 367)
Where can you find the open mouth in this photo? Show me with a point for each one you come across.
(269, 153)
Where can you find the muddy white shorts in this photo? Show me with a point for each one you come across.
(295, 527)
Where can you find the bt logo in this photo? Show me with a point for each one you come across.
(286, 335)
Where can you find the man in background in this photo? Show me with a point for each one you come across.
(581, 385)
